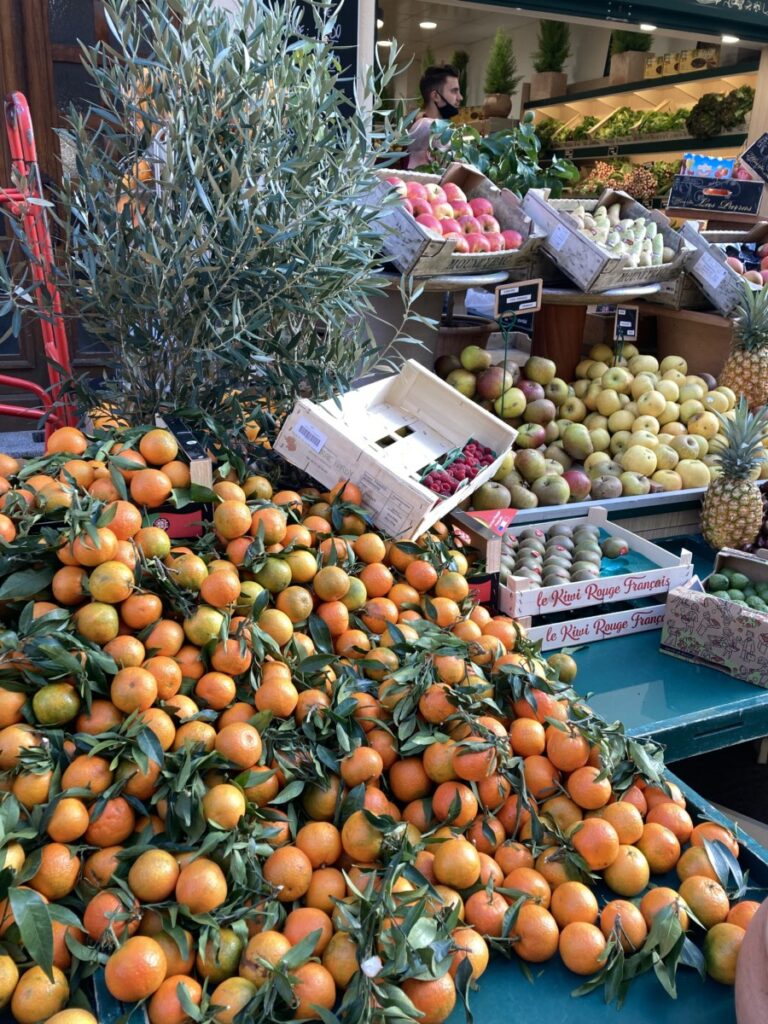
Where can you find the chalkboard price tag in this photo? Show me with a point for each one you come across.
(625, 325)
(519, 298)
(756, 157)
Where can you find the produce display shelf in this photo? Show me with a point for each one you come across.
(689, 708)
(641, 147)
(672, 84)
(549, 995)
(667, 501)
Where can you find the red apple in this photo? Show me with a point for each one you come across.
(421, 206)
(764, 263)
(398, 185)
(478, 242)
(469, 226)
(441, 209)
(495, 240)
(763, 250)
(462, 245)
(430, 223)
(461, 208)
(764, 275)
(453, 192)
(512, 239)
(416, 190)
(434, 192)
(408, 205)
(488, 223)
(449, 226)
(480, 206)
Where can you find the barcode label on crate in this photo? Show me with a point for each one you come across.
(711, 271)
(310, 435)
(559, 237)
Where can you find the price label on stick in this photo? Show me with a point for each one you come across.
(517, 299)
(625, 325)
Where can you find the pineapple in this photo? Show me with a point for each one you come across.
(732, 512)
(746, 369)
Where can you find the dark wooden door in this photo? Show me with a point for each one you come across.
(40, 56)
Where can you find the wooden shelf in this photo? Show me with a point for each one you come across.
(657, 148)
(677, 90)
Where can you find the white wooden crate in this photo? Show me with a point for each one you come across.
(708, 265)
(587, 630)
(518, 597)
(381, 436)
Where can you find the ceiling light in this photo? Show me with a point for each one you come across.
(383, 42)
(646, 27)
(379, 23)
(730, 39)
(427, 24)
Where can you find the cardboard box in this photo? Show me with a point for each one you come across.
(701, 628)
(589, 265)
(671, 64)
(654, 66)
(707, 264)
(705, 57)
(384, 435)
(415, 251)
(554, 636)
(517, 597)
(685, 63)
(715, 197)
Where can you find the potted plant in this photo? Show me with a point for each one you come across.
(460, 60)
(215, 226)
(554, 50)
(628, 50)
(500, 78)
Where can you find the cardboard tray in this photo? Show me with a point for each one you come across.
(383, 434)
(517, 597)
(589, 265)
(701, 628)
(706, 263)
(415, 251)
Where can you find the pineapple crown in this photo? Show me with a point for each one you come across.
(751, 320)
(743, 436)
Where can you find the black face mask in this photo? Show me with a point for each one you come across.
(446, 110)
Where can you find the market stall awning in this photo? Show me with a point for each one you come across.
(747, 19)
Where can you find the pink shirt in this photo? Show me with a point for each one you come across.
(418, 148)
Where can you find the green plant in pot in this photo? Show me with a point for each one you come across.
(628, 55)
(554, 50)
(215, 228)
(501, 82)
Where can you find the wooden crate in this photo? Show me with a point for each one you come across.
(683, 292)
(707, 264)
(415, 251)
(589, 265)
(383, 436)
(518, 597)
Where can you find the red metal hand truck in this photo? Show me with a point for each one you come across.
(54, 404)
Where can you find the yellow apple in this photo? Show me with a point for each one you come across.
(673, 363)
(717, 443)
(621, 420)
(692, 378)
(601, 353)
(730, 395)
(704, 423)
(652, 403)
(644, 438)
(643, 364)
(675, 428)
(694, 473)
(620, 441)
(618, 378)
(596, 422)
(594, 390)
(675, 375)
(646, 423)
(689, 409)
(716, 401)
(583, 367)
(629, 351)
(624, 399)
(703, 444)
(642, 383)
(596, 370)
(669, 389)
(638, 459)
(668, 479)
(608, 402)
(686, 446)
(666, 457)
(595, 459)
(601, 439)
(580, 388)
(691, 392)
(670, 414)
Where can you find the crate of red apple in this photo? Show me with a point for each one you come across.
(625, 427)
(457, 223)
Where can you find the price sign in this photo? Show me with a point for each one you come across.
(625, 326)
(517, 299)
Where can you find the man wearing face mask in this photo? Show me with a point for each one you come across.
(442, 98)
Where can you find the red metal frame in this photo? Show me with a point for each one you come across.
(34, 218)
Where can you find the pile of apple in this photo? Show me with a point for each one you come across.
(758, 278)
(633, 428)
(445, 212)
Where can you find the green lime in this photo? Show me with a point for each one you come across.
(724, 595)
(739, 581)
(717, 581)
(735, 594)
(757, 603)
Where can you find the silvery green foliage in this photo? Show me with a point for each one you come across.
(213, 214)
